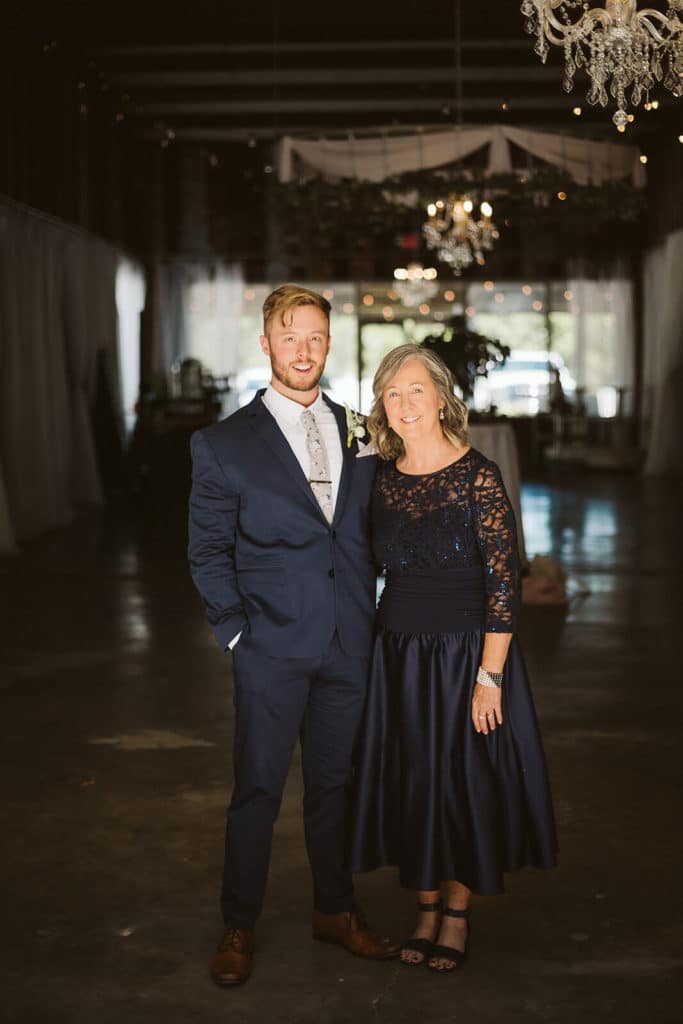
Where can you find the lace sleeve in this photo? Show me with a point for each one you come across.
(497, 539)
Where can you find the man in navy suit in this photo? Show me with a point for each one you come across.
(279, 551)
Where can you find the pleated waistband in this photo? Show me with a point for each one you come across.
(434, 601)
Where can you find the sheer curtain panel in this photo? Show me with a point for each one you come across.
(663, 363)
(57, 309)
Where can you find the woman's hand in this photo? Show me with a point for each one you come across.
(487, 710)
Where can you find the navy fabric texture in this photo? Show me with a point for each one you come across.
(431, 795)
(301, 591)
(277, 701)
(262, 554)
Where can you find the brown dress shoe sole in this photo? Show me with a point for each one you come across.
(389, 954)
(230, 982)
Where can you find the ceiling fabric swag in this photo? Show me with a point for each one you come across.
(376, 158)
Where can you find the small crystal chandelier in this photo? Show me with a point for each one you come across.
(459, 239)
(620, 47)
(414, 284)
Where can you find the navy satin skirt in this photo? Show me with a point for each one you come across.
(431, 795)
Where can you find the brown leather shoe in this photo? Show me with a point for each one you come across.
(351, 931)
(232, 961)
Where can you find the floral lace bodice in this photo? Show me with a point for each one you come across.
(455, 518)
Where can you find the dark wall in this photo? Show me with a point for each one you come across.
(665, 182)
(62, 148)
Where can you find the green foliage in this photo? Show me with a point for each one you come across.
(466, 353)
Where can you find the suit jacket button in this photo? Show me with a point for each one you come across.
(334, 535)
(331, 574)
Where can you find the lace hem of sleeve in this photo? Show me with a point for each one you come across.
(497, 539)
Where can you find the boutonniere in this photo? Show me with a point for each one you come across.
(355, 425)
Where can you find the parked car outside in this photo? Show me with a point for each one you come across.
(522, 386)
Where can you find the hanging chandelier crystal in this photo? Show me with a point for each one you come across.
(414, 284)
(452, 231)
(619, 46)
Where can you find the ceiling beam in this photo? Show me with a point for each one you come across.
(359, 46)
(530, 72)
(598, 129)
(269, 107)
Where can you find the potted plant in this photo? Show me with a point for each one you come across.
(467, 355)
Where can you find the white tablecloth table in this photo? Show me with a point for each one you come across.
(497, 442)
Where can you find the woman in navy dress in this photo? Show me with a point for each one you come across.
(451, 782)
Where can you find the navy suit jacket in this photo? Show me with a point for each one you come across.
(262, 555)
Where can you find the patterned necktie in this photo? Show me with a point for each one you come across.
(319, 471)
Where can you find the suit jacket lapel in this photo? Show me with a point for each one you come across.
(271, 434)
(348, 454)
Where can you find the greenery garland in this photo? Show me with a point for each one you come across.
(324, 214)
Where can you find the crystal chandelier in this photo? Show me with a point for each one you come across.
(414, 284)
(457, 237)
(619, 46)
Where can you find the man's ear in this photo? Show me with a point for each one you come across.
(265, 345)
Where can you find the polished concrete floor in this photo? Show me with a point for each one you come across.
(116, 735)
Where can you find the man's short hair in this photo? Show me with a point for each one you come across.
(286, 298)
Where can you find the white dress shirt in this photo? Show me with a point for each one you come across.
(287, 415)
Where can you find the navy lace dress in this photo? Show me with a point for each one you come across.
(432, 795)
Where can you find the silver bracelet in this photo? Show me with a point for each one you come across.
(494, 679)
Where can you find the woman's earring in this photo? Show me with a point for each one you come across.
(442, 414)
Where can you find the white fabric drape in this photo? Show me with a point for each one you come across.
(198, 313)
(57, 309)
(130, 302)
(379, 157)
(603, 324)
(663, 343)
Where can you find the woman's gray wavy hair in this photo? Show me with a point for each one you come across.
(454, 424)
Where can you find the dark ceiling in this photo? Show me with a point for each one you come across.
(211, 72)
(153, 123)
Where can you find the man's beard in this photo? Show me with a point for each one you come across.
(288, 376)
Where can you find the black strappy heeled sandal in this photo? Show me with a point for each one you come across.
(455, 957)
(423, 946)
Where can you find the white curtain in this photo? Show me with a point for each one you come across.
(198, 314)
(57, 309)
(663, 343)
(603, 338)
(376, 158)
(130, 302)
